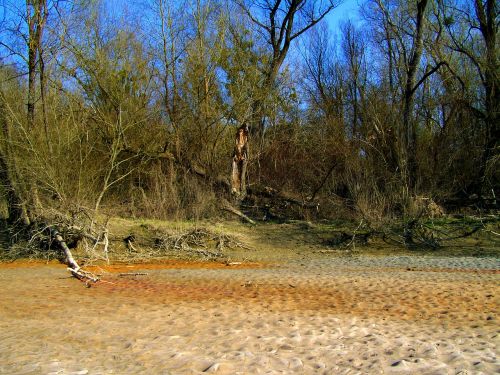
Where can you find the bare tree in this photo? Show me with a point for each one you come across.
(281, 22)
(36, 18)
(411, 59)
(479, 45)
(354, 47)
(324, 80)
(171, 37)
(409, 136)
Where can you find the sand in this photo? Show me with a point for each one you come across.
(327, 315)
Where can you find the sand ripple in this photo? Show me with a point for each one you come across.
(366, 315)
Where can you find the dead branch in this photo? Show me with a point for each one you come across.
(197, 241)
(73, 266)
(128, 243)
(353, 239)
(226, 206)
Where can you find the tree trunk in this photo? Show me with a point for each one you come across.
(488, 27)
(408, 134)
(16, 209)
(31, 89)
(36, 16)
(240, 160)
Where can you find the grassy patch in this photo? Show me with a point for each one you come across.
(272, 242)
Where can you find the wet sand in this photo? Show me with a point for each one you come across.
(328, 315)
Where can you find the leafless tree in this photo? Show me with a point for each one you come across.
(478, 43)
(280, 22)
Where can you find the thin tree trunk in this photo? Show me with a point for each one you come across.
(44, 103)
(31, 89)
(408, 133)
(389, 56)
(16, 209)
(36, 15)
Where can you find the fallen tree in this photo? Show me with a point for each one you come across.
(73, 266)
(53, 236)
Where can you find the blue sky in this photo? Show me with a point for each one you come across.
(349, 9)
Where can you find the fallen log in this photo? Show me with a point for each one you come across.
(226, 206)
(73, 266)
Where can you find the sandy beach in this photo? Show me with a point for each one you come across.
(327, 315)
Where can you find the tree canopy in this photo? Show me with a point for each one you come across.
(133, 108)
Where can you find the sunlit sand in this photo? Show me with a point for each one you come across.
(409, 315)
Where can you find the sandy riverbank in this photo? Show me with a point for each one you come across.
(332, 315)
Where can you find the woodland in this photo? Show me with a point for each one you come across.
(197, 109)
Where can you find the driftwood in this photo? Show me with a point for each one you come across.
(73, 266)
(353, 239)
(226, 206)
(267, 203)
(128, 243)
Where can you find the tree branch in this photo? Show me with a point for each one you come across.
(426, 75)
(313, 22)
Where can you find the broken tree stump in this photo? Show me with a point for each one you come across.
(240, 160)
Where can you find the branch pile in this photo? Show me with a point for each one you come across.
(418, 233)
(199, 241)
(53, 235)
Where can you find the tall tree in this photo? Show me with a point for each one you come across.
(281, 22)
(410, 50)
(479, 45)
(36, 18)
(409, 134)
(169, 46)
(354, 49)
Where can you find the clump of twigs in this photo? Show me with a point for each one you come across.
(198, 241)
(342, 240)
(53, 235)
(421, 233)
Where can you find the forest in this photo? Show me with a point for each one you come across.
(130, 109)
(249, 187)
